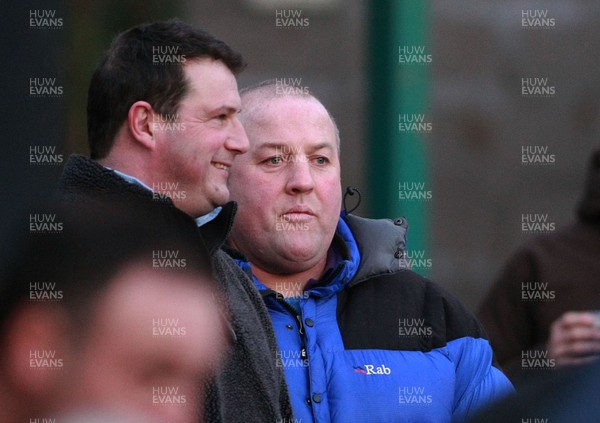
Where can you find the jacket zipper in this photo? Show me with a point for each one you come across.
(303, 351)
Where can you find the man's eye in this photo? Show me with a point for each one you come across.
(322, 160)
(275, 160)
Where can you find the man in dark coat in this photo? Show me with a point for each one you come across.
(163, 129)
(540, 312)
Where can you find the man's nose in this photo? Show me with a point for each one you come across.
(300, 176)
(238, 140)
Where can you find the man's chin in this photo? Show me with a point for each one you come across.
(219, 202)
(302, 252)
(220, 197)
(203, 206)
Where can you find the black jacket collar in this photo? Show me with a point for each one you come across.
(82, 176)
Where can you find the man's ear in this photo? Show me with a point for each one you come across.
(37, 349)
(139, 120)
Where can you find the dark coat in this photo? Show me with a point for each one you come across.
(561, 396)
(250, 387)
(565, 265)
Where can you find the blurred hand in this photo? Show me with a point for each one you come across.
(574, 339)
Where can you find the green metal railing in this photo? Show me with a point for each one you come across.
(396, 89)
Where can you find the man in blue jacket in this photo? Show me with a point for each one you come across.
(361, 337)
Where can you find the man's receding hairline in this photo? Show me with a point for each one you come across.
(256, 101)
(268, 91)
(260, 96)
(255, 110)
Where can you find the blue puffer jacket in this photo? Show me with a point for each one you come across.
(375, 342)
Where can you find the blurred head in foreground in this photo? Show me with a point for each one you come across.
(102, 312)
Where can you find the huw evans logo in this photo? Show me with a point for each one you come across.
(44, 87)
(292, 358)
(44, 359)
(371, 369)
(413, 328)
(289, 223)
(44, 155)
(415, 259)
(537, 87)
(413, 395)
(536, 155)
(414, 123)
(291, 289)
(167, 55)
(536, 291)
(413, 191)
(44, 291)
(167, 259)
(42, 420)
(535, 359)
(165, 190)
(167, 395)
(167, 327)
(290, 86)
(44, 19)
(413, 55)
(537, 19)
(536, 222)
(534, 420)
(291, 154)
(167, 122)
(44, 223)
(290, 18)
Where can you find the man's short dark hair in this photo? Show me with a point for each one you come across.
(136, 67)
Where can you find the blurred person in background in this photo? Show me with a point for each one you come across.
(545, 302)
(94, 327)
(163, 129)
(565, 395)
(361, 337)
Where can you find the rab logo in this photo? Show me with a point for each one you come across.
(370, 369)
(358, 369)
